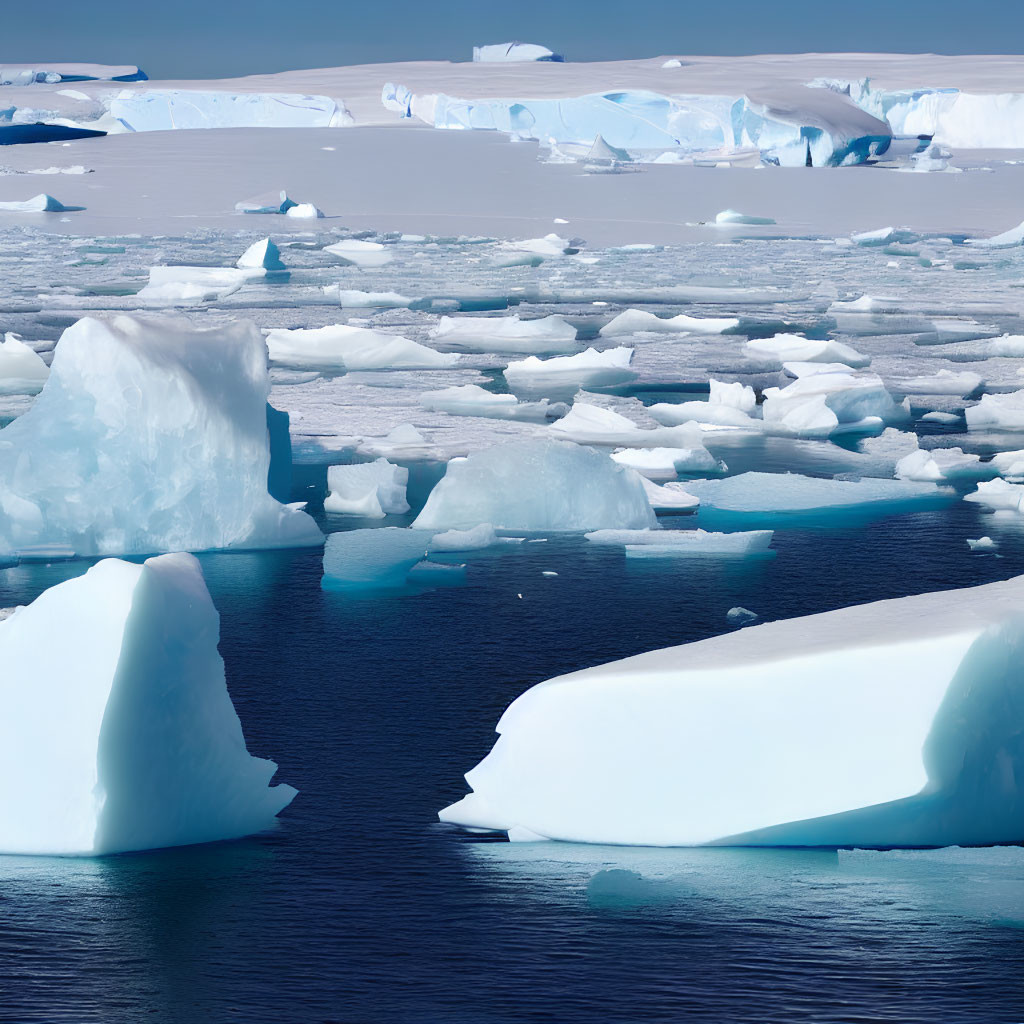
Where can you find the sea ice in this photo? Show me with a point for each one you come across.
(482, 536)
(356, 299)
(998, 495)
(881, 725)
(403, 442)
(371, 489)
(668, 463)
(22, 370)
(670, 497)
(269, 202)
(945, 382)
(634, 321)
(170, 286)
(148, 436)
(589, 368)
(504, 53)
(375, 559)
(735, 217)
(261, 255)
(473, 400)
(982, 544)
(343, 347)
(41, 203)
(771, 353)
(944, 464)
(539, 486)
(590, 424)
(360, 253)
(121, 735)
(685, 543)
(547, 335)
(997, 412)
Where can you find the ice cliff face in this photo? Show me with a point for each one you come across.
(121, 735)
(148, 436)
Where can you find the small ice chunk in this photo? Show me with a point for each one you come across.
(372, 489)
(590, 424)
(356, 299)
(997, 412)
(403, 442)
(771, 353)
(945, 382)
(942, 464)
(305, 211)
(473, 400)
(1005, 240)
(740, 616)
(585, 369)
(937, 416)
(982, 544)
(540, 486)
(373, 559)
(263, 255)
(668, 463)
(482, 536)
(171, 286)
(670, 497)
(360, 253)
(685, 543)
(634, 321)
(998, 494)
(22, 370)
(344, 347)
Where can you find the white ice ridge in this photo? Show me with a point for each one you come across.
(52, 72)
(541, 486)
(633, 321)
(887, 724)
(589, 368)
(772, 353)
(148, 436)
(371, 489)
(122, 735)
(343, 347)
(547, 335)
(22, 370)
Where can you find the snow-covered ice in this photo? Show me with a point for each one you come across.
(371, 489)
(634, 321)
(375, 559)
(122, 735)
(473, 400)
(591, 424)
(772, 353)
(22, 370)
(344, 347)
(587, 369)
(668, 463)
(544, 336)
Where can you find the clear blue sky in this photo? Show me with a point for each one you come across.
(214, 38)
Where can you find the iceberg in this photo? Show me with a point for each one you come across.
(944, 464)
(945, 382)
(727, 217)
(174, 286)
(374, 559)
(403, 442)
(892, 724)
(269, 202)
(473, 400)
(589, 368)
(740, 616)
(590, 424)
(1006, 240)
(670, 497)
(982, 544)
(22, 370)
(371, 489)
(780, 497)
(997, 412)
(342, 347)
(668, 463)
(148, 436)
(538, 486)
(772, 353)
(41, 203)
(354, 298)
(998, 495)
(482, 536)
(261, 255)
(505, 53)
(635, 321)
(548, 335)
(685, 543)
(304, 211)
(728, 405)
(360, 253)
(122, 735)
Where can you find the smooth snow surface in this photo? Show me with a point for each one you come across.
(887, 724)
(539, 486)
(148, 436)
(122, 735)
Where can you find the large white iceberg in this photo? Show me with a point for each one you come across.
(118, 732)
(541, 486)
(344, 347)
(376, 559)
(148, 436)
(888, 724)
(371, 489)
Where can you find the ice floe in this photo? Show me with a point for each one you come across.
(370, 489)
(589, 368)
(546, 335)
(22, 370)
(344, 347)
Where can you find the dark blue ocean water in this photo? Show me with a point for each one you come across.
(360, 907)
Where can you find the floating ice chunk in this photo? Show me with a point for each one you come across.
(404, 442)
(704, 413)
(41, 203)
(1009, 464)
(269, 202)
(670, 497)
(783, 494)
(684, 543)
(667, 463)
(866, 304)
(936, 416)
(549, 334)
(504, 53)
(1006, 240)
(892, 713)
(343, 347)
(541, 486)
(360, 253)
(585, 369)
(122, 735)
(482, 536)
(941, 464)
(590, 424)
(998, 495)
(823, 404)
(982, 544)
(262, 255)
(634, 321)
(148, 436)
(771, 353)
(375, 559)
(353, 297)
(734, 395)
(473, 400)
(673, 63)
(739, 616)
(305, 211)
(550, 245)
(735, 217)
(883, 236)
(371, 489)
(945, 382)
(171, 286)
(997, 412)
(22, 370)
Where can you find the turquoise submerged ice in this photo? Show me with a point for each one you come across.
(888, 724)
(148, 436)
(123, 736)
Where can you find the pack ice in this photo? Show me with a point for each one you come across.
(123, 736)
(888, 724)
(148, 436)
(345, 347)
(541, 486)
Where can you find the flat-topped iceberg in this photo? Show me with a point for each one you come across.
(360, 253)
(589, 368)
(371, 489)
(685, 543)
(539, 486)
(544, 336)
(174, 286)
(344, 347)
(635, 321)
(888, 724)
(118, 731)
(772, 353)
(148, 436)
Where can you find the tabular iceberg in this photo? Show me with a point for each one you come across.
(148, 436)
(122, 735)
(888, 724)
(543, 486)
